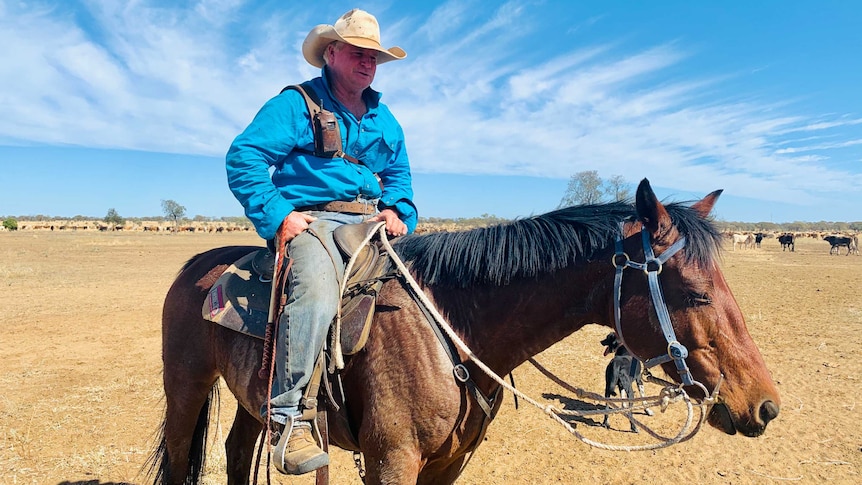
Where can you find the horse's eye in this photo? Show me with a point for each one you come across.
(699, 299)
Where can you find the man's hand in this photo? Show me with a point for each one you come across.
(292, 225)
(394, 225)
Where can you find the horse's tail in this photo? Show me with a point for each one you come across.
(158, 464)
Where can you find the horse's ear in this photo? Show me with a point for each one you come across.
(704, 206)
(650, 211)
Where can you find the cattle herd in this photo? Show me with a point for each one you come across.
(130, 226)
(838, 243)
(752, 240)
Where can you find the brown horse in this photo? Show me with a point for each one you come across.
(509, 291)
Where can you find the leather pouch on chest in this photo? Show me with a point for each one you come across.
(327, 134)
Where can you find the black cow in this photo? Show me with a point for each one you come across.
(787, 241)
(622, 371)
(758, 237)
(836, 242)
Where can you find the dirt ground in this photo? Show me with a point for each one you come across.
(81, 379)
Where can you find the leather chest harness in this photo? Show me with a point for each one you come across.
(328, 144)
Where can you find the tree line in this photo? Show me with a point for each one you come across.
(585, 187)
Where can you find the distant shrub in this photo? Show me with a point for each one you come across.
(10, 224)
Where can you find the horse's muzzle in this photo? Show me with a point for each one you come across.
(721, 418)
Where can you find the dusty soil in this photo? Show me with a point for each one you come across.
(81, 384)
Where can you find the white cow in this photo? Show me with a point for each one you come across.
(744, 240)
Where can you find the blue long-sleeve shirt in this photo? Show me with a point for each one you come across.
(299, 179)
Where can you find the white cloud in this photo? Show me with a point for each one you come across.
(478, 98)
(825, 146)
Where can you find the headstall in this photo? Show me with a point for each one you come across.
(652, 266)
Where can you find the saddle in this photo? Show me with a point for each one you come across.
(240, 297)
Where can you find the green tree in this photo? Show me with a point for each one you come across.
(10, 224)
(112, 217)
(173, 211)
(584, 188)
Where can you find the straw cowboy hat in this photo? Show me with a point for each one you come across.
(358, 28)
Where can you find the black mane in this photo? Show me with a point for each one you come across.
(528, 247)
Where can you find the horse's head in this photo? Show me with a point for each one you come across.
(716, 348)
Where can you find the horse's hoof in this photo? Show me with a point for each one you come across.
(649, 412)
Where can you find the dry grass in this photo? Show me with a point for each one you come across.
(82, 392)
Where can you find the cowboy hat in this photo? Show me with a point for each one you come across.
(358, 28)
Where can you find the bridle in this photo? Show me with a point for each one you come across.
(652, 267)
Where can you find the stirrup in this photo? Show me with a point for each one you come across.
(300, 461)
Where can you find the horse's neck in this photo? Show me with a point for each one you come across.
(506, 325)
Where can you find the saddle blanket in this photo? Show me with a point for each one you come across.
(239, 300)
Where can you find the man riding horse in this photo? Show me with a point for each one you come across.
(347, 168)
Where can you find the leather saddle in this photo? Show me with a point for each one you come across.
(239, 299)
(363, 283)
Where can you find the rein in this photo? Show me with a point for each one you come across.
(670, 393)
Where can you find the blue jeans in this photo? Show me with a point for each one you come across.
(313, 299)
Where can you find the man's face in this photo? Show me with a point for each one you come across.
(354, 67)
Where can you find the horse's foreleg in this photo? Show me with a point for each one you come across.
(239, 446)
(396, 467)
(444, 475)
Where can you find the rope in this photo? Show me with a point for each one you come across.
(670, 394)
(337, 357)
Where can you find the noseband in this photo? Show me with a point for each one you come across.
(676, 351)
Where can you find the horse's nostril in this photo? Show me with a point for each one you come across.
(768, 411)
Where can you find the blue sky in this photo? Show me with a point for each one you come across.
(111, 104)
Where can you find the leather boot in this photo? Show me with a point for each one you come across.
(296, 452)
